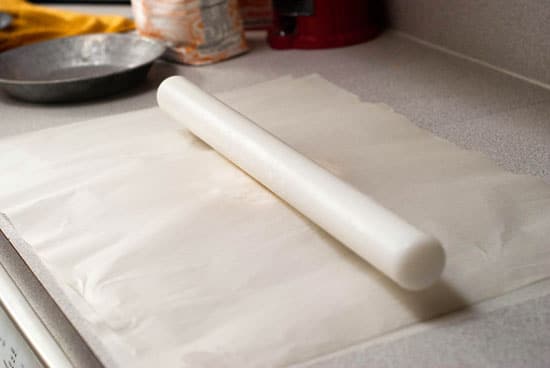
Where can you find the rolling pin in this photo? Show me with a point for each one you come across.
(405, 254)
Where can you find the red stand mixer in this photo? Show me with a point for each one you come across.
(315, 24)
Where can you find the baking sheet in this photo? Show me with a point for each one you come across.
(178, 258)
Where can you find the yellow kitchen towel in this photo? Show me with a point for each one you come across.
(32, 23)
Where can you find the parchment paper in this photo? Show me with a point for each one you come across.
(177, 258)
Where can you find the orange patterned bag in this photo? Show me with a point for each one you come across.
(197, 31)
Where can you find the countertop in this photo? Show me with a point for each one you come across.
(467, 103)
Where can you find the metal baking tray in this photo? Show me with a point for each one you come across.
(36, 331)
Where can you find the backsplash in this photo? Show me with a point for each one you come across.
(510, 34)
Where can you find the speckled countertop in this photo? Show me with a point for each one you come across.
(466, 103)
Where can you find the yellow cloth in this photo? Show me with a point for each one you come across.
(32, 23)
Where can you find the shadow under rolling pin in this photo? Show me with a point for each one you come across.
(405, 254)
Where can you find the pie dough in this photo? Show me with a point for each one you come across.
(177, 258)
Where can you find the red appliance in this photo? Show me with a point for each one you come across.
(315, 24)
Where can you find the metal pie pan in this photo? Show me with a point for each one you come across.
(77, 68)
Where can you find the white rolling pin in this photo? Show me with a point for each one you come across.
(411, 258)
